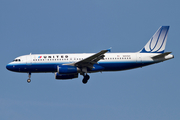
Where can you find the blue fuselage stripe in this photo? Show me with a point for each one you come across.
(52, 67)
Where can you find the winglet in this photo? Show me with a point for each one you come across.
(109, 50)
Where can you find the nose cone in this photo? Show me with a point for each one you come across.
(9, 67)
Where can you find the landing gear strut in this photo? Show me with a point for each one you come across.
(29, 80)
(86, 78)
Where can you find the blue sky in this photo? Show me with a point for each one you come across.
(68, 26)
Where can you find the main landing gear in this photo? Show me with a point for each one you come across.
(86, 78)
(29, 80)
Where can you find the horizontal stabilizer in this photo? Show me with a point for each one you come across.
(161, 55)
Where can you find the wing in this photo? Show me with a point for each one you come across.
(90, 61)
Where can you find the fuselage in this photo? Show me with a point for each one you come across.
(36, 63)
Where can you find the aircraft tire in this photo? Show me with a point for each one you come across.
(85, 79)
(28, 80)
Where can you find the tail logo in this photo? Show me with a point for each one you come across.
(158, 41)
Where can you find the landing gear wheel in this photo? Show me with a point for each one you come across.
(28, 80)
(85, 79)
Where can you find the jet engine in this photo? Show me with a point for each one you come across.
(67, 69)
(65, 76)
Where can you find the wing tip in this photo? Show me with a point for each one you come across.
(109, 50)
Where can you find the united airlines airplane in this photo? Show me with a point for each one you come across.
(69, 66)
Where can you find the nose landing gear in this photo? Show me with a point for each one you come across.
(29, 80)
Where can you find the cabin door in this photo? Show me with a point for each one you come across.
(28, 60)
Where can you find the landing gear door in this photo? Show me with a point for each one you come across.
(28, 60)
(138, 58)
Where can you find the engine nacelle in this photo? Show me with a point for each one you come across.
(66, 76)
(67, 69)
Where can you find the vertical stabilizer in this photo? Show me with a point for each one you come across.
(157, 43)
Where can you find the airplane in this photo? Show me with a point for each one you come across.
(69, 66)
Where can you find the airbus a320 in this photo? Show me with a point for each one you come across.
(69, 66)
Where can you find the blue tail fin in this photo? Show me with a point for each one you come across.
(157, 43)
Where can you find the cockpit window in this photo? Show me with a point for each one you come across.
(16, 60)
